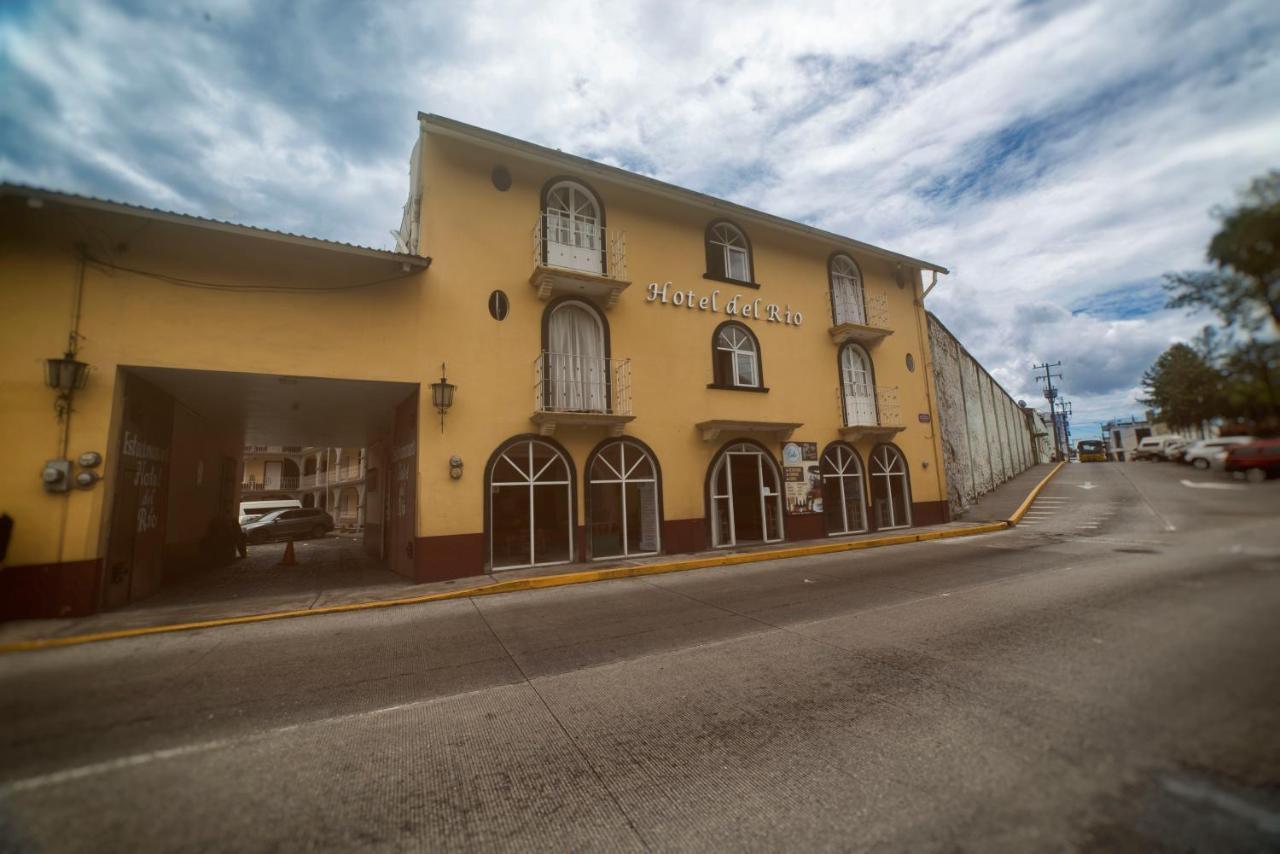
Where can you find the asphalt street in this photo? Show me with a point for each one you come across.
(1104, 677)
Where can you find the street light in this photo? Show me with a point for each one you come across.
(65, 375)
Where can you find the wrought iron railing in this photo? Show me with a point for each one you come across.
(574, 244)
(879, 409)
(571, 383)
(874, 311)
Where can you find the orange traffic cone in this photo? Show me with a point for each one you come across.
(288, 559)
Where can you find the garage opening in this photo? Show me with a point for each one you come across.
(209, 461)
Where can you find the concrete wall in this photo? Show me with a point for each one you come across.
(986, 437)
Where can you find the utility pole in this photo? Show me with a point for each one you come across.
(1051, 394)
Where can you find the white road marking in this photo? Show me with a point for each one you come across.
(1194, 485)
(1088, 484)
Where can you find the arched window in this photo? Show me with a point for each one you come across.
(890, 489)
(575, 365)
(572, 219)
(736, 357)
(728, 253)
(847, 301)
(623, 517)
(843, 491)
(745, 496)
(530, 498)
(857, 386)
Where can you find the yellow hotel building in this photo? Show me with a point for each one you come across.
(638, 369)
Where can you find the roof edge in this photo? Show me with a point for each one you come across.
(8, 188)
(493, 139)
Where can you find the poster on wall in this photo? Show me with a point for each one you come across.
(801, 477)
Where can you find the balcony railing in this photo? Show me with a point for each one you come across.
(870, 413)
(581, 391)
(866, 324)
(286, 483)
(341, 474)
(579, 245)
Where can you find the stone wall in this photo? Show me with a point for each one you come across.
(987, 438)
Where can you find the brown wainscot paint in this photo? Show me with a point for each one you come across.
(448, 557)
(50, 590)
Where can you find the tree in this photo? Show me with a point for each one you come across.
(1183, 388)
(1244, 290)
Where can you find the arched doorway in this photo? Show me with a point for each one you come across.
(573, 221)
(890, 488)
(576, 364)
(623, 515)
(745, 496)
(530, 494)
(844, 503)
(857, 385)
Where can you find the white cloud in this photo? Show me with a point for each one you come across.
(1047, 154)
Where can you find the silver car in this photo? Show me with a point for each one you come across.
(297, 524)
(1210, 453)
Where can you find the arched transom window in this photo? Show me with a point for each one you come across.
(847, 303)
(737, 357)
(728, 254)
(622, 487)
(572, 223)
(530, 506)
(890, 492)
(843, 491)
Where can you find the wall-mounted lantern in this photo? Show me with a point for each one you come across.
(65, 375)
(442, 395)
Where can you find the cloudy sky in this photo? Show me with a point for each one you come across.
(1058, 157)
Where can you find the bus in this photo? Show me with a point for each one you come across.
(1091, 451)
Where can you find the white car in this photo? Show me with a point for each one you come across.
(1153, 447)
(1210, 453)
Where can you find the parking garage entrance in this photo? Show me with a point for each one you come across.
(197, 449)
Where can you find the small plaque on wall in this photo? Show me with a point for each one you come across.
(924, 417)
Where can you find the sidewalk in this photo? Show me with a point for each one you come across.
(257, 588)
(1001, 503)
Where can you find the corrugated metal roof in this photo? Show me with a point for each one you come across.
(95, 203)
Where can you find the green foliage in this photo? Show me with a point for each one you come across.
(1232, 371)
(1183, 387)
(1244, 290)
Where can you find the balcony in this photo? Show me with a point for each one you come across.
(277, 484)
(866, 325)
(877, 416)
(334, 476)
(580, 391)
(576, 258)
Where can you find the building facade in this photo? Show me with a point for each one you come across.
(637, 369)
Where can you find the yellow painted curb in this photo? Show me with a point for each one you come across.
(1033, 495)
(517, 584)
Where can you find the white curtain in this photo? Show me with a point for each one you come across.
(576, 367)
(859, 393)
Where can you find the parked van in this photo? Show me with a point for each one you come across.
(1155, 447)
(250, 510)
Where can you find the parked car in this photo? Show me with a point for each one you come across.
(1153, 447)
(294, 523)
(1174, 450)
(1207, 453)
(251, 511)
(1256, 461)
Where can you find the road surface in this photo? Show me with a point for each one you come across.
(1102, 678)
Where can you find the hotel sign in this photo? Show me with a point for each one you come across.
(735, 306)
